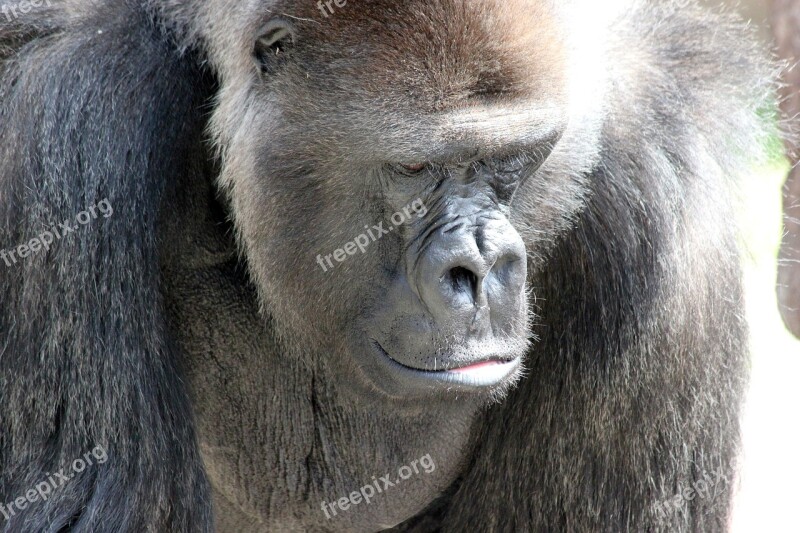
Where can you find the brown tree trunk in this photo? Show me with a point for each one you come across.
(786, 27)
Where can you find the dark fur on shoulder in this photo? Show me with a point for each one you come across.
(97, 107)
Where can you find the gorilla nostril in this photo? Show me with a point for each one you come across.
(463, 280)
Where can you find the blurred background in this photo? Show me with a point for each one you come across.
(768, 494)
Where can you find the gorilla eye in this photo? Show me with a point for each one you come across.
(273, 45)
(416, 167)
(410, 169)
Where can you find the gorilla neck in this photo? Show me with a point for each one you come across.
(280, 437)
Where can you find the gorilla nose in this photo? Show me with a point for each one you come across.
(474, 280)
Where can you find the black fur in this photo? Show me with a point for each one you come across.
(141, 333)
(100, 109)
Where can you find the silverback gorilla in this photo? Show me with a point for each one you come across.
(350, 240)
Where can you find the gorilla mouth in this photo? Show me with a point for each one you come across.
(484, 374)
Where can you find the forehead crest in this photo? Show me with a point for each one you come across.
(439, 53)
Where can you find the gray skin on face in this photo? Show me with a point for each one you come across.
(554, 321)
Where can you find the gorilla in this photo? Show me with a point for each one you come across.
(422, 265)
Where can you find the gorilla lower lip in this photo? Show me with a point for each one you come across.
(484, 374)
(481, 375)
(476, 367)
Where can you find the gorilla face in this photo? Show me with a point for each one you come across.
(394, 194)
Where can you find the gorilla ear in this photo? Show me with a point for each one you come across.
(273, 45)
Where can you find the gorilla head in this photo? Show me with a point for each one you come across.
(341, 230)
(387, 202)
